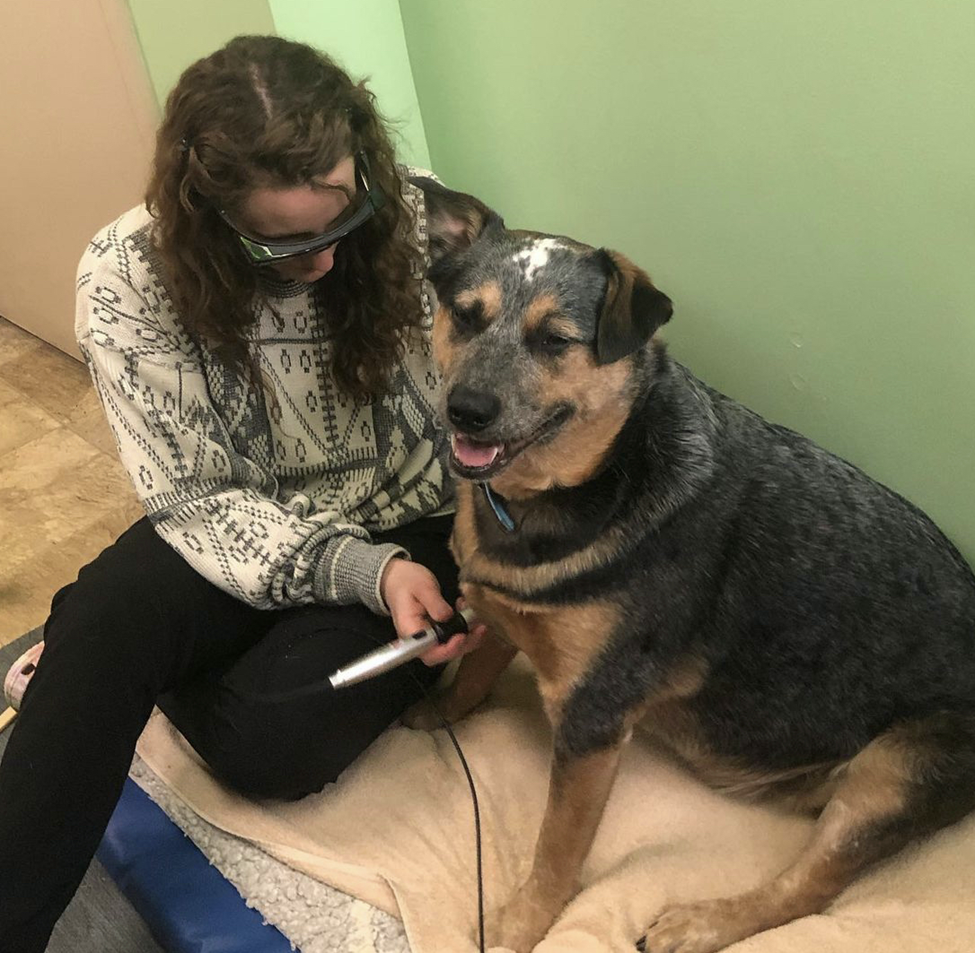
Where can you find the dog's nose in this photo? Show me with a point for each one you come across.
(471, 410)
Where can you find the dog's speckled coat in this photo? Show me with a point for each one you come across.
(783, 621)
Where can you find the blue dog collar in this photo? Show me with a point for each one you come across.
(500, 510)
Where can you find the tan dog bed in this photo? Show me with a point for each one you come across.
(397, 832)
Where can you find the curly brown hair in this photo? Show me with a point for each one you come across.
(265, 111)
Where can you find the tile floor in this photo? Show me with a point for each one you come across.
(63, 493)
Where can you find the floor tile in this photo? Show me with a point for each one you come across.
(56, 382)
(21, 419)
(52, 529)
(16, 343)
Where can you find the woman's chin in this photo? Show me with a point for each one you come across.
(304, 277)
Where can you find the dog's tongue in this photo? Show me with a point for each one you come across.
(472, 454)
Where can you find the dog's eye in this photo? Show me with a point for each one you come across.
(469, 318)
(553, 343)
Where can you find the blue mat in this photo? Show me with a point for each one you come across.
(189, 906)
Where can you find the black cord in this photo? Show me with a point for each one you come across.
(477, 811)
(315, 688)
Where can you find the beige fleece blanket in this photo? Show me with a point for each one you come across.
(397, 832)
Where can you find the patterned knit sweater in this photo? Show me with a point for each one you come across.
(275, 508)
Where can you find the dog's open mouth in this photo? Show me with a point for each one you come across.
(475, 459)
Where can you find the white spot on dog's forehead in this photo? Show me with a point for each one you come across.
(535, 255)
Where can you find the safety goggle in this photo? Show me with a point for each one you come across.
(367, 201)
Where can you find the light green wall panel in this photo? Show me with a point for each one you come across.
(366, 38)
(797, 176)
(175, 33)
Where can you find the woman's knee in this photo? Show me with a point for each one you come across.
(284, 751)
(279, 768)
(266, 745)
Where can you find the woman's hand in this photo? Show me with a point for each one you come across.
(412, 595)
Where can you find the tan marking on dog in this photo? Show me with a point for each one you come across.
(476, 566)
(577, 794)
(684, 680)
(578, 790)
(488, 295)
(476, 676)
(878, 778)
(672, 723)
(463, 538)
(560, 641)
(602, 396)
(444, 347)
(669, 720)
(872, 789)
(541, 307)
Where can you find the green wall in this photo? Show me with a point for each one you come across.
(175, 33)
(797, 176)
(366, 38)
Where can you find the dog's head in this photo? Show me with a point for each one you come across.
(538, 337)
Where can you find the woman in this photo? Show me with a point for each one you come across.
(259, 337)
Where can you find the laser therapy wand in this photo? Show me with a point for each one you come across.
(401, 650)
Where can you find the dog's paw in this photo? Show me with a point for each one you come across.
(421, 716)
(699, 927)
(520, 925)
(452, 706)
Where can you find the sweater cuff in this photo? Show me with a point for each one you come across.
(352, 571)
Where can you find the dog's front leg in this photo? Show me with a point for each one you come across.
(475, 677)
(578, 789)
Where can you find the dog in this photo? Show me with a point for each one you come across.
(785, 624)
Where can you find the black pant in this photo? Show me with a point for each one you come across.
(141, 626)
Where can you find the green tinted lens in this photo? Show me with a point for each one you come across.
(256, 251)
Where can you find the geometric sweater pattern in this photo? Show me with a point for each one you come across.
(276, 508)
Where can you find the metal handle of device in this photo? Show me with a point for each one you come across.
(401, 650)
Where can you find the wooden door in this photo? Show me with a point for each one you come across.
(77, 121)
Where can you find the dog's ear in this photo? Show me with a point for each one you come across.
(455, 221)
(632, 309)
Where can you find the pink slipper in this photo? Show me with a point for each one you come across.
(20, 674)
